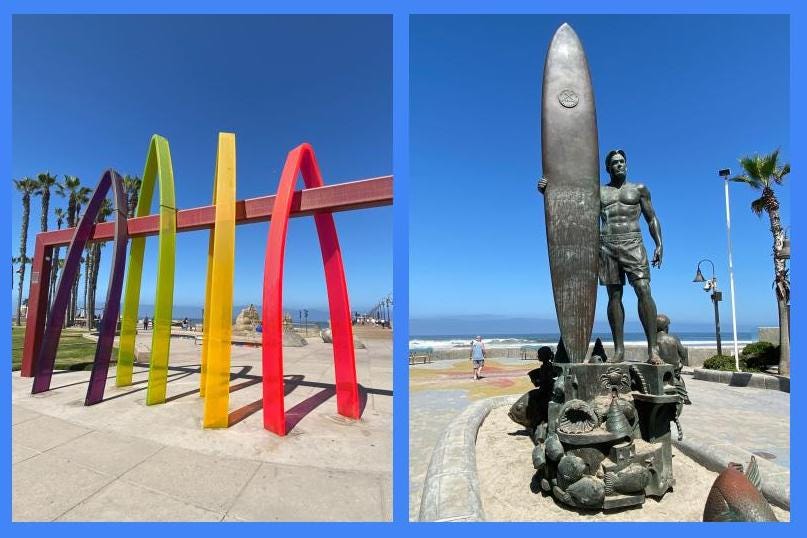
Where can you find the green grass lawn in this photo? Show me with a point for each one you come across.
(74, 353)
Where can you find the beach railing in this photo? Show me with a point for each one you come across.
(529, 352)
(420, 353)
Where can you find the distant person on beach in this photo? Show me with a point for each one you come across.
(146, 323)
(478, 353)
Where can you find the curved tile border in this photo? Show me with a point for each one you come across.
(451, 489)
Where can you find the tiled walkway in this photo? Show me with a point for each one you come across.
(121, 460)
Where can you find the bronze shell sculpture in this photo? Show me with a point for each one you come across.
(577, 416)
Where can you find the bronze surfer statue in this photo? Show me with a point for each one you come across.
(622, 252)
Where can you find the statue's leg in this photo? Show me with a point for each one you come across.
(616, 319)
(647, 315)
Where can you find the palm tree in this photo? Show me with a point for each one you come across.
(106, 211)
(15, 260)
(78, 197)
(87, 268)
(132, 186)
(69, 189)
(95, 265)
(26, 186)
(44, 182)
(762, 172)
(60, 215)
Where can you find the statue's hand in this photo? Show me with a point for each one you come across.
(657, 256)
(542, 184)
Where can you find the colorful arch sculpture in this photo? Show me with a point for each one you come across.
(302, 159)
(218, 316)
(53, 328)
(158, 167)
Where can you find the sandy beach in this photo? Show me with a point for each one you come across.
(504, 463)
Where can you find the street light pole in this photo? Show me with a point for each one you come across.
(716, 297)
(725, 173)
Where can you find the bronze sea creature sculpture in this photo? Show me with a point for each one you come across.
(736, 496)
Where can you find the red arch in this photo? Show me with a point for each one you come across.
(301, 159)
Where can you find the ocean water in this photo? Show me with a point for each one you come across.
(458, 341)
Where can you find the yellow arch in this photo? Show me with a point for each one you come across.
(158, 167)
(215, 378)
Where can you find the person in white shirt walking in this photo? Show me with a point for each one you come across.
(478, 354)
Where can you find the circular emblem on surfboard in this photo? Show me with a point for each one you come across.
(568, 98)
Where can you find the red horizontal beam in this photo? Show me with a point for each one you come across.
(360, 194)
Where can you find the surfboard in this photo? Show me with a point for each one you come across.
(570, 160)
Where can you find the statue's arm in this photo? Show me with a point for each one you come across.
(653, 224)
(683, 353)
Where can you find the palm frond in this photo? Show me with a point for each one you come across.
(25, 185)
(758, 206)
(748, 180)
(768, 164)
(44, 182)
(751, 166)
(779, 175)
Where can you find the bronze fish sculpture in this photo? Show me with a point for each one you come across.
(735, 496)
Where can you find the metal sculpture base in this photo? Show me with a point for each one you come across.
(601, 431)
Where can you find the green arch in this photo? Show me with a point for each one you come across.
(158, 166)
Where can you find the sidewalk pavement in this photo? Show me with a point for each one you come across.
(121, 460)
(727, 423)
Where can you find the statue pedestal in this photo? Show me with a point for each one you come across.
(601, 431)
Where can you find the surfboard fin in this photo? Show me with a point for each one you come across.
(560, 354)
(598, 353)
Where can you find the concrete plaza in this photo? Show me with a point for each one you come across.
(724, 423)
(122, 460)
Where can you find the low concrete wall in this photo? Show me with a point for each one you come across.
(768, 334)
(745, 379)
(632, 353)
(451, 489)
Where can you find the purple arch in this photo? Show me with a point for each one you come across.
(53, 329)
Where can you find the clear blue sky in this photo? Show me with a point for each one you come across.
(683, 95)
(89, 91)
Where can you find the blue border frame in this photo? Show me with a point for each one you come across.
(401, 9)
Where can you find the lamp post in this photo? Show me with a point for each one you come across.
(305, 314)
(725, 173)
(717, 296)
